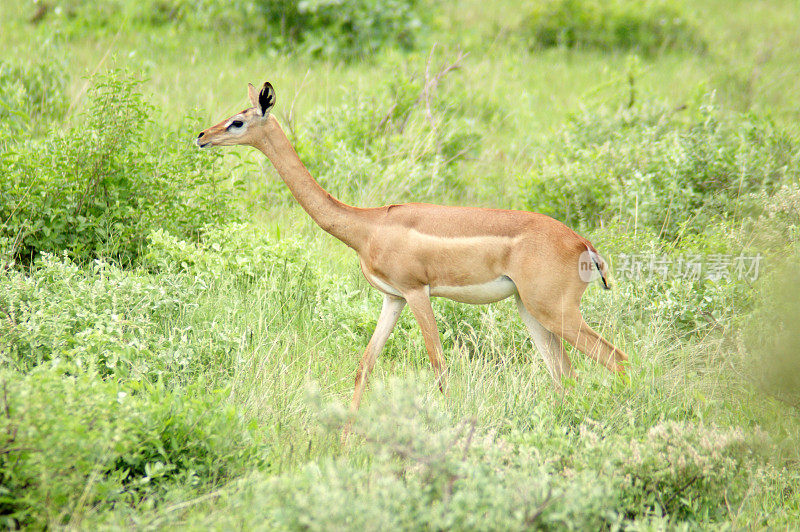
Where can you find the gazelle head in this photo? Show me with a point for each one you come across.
(245, 127)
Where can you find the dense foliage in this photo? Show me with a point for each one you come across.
(647, 26)
(31, 95)
(433, 471)
(340, 28)
(100, 186)
(674, 172)
(347, 29)
(71, 439)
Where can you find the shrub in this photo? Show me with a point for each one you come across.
(109, 320)
(341, 28)
(424, 470)
(646, 25)
(683, 470)
(159, 321)
(346, 29)
(413, 464)
(70, 441)
(648, 166)
(31, 94)
(244, 256)
(77, 19)
(100, 187)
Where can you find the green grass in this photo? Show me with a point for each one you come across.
(221, 361)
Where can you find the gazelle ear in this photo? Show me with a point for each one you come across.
(266, 98)
(253, 94)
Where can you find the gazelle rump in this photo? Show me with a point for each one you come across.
(413, 251)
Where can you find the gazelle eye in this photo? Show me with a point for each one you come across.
(236, 123)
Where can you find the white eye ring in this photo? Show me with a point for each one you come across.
(235, 124)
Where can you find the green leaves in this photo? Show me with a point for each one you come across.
(31, 94)
(647, 26)
(99, 187)
(70, 441)
(657, 169)
(340, 29)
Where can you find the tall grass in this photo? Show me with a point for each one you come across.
(201, 382)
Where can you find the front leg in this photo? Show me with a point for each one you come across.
(420, 303)
(390, 312)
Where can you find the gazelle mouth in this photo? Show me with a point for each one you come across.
(203, 144)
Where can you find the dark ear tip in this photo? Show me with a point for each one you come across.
(266, 98)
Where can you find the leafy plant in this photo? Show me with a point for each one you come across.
(647, 25)
(103, 319)
(682, 469)
(342, 28)
(101, 186)
(31, 94)
(413, 464)
(647, 166)
(138, 323)
(346, 29)
(70, 441)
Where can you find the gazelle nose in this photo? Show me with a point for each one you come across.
(200, 136)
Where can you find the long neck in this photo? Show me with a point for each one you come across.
(348, 224)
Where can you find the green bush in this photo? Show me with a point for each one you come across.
(346, 29)
(646, 25)
(652, 168)
(100, 187)
(77, 19)
(103, 318)
(683, 470)
(240, 256)
(153, 323)
(414, 465)
(31, 95)
(70, 441)
(341, 28)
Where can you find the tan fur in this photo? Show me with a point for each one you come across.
(409, 251)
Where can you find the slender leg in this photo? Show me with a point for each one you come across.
(549, 345)
(574, 330)
(420, 304)
(564, 319)
(390, 312)
(586, 340)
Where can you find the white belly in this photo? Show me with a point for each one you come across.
(494, 290)
(489, 292)
(382, 285)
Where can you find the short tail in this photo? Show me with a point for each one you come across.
(602, 269)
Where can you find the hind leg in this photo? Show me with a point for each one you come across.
(589, 342)
(549, 345)
(561, 315)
